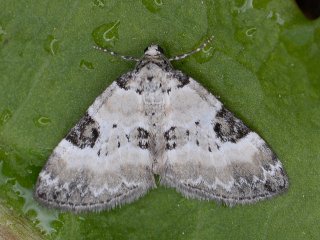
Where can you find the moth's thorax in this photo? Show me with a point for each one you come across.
(153, 81)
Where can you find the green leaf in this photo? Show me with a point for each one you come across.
(263, 63)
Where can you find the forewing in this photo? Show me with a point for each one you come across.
(210, 154)
(102, 162)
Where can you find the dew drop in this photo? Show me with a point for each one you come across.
(205, 54)
(246, 6)
(152, 5)
(99, 3)
(279, 20)
(42, 121)
(5, 115)
(51, 45)
(86, 65)
(277, 17)
(44, 217)
(251, 32)
(106, 34)
(158, 2)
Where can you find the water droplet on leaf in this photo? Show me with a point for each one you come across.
(51, 45)
(42, 121)
(251, 32)
(158, 2)
(5, 115)
(279, 20)
(152, 5)
(246, 6)
(205, 54)
(44, 217)
(86, 65)
(99, 3)
(106, 34)
(276, 17)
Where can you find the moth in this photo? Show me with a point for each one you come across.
(156, 120)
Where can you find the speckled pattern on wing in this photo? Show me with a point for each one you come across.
(157, 120)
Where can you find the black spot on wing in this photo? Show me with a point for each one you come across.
(128, 137)
(170, 134)
(267, 167)
(270, 187)
(182, 78)
(139, 91)
(123, 81)
(170, 138)
(143, 138)
(142, 133)
(85, 133)
(143, 145)
(171, 146)
(228, 128)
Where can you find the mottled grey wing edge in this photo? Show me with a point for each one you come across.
(119, 199)
(47, 194)
(272, 188)
(193, 192)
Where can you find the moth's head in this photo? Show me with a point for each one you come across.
(153, 51)
(154, 55)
